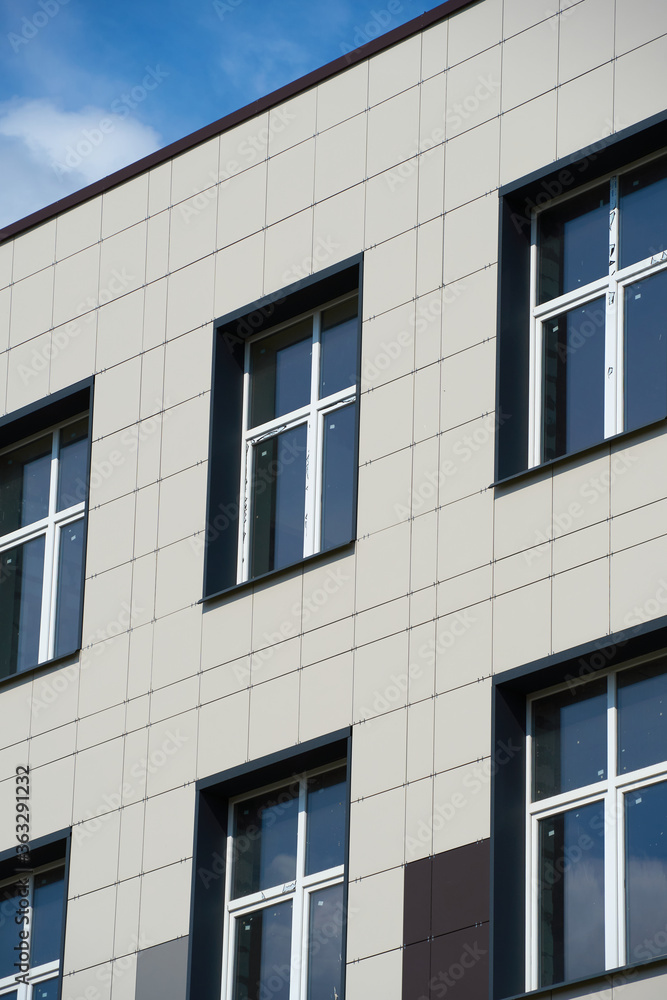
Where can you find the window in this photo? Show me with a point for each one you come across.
(269, 897)
(582, 283)
(284, 891)
(599, 336)
(42, 520)
(38, 900)
(299, 439)
(284, 429)
(597, 824)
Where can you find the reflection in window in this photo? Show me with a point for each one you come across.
(570, 739)
(643, 211)
(646, 351)
(265, 837)
(299, 442)
(574, 380)
(572, 894)
(285, 899)
(574, 243)
(263, 951)
(278, 500)
(42, 521)
(642, 716)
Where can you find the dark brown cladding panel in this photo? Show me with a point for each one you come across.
(399, 34)
(417, 901)
(446, 925)
(460, 965)
(461, 888)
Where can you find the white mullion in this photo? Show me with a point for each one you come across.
(535, 356)
(611, 883)
(336, 399)
(229, 929)
(534, 956)
(277, 424)
(299, 961)
(531, 911)
(242, 569)
(311, 525)
(24, 534)
(613, 351)
(568, 300)
(48, 588)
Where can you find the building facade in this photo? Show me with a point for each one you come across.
(333, 551)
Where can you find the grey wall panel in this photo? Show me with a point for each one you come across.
(162, 971)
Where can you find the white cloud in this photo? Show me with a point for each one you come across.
(47, 153)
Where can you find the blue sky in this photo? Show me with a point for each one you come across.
(152, 71)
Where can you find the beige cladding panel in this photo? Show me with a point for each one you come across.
(450, 581)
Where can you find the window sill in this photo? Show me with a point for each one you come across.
(535, 470)
(38, 668)
(604, 980)
(276, 574)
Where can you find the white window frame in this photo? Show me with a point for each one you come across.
(313, 416)
(610, 791)
(40, 973)
(298, 891)
(49, 526)
(612, 287)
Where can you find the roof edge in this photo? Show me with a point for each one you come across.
(245, 113)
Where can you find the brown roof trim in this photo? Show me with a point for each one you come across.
(385, 41)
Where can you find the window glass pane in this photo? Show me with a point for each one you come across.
(46, 990)
(646, 350)
(9, 929)
(573, 404)
(73, 455)
(646, 871)
(571, 893)
(570, 739)
(338, 477)
(325, 844)
(265, 830)
(574, 243)
(642, 716)
(338, 339)
(262, 959)
(325, 940)
(11, 996)
(47, 916)
(643, 210)
(21, 576)
(24, 484)
(68, 612)
(278, 500)
(280, 372)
